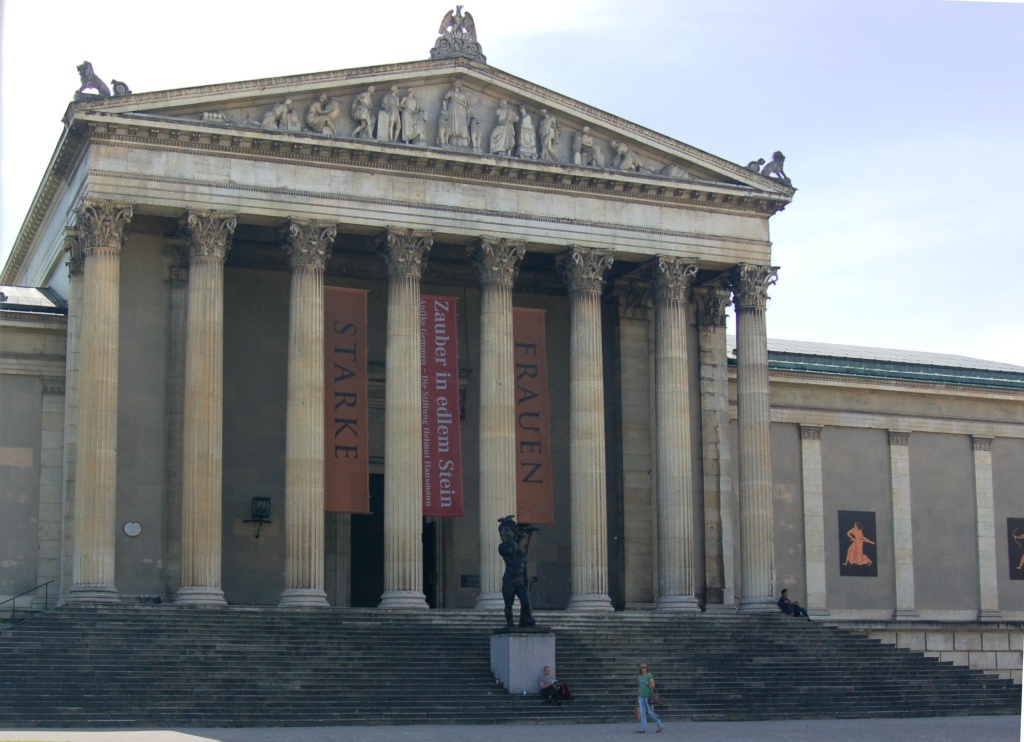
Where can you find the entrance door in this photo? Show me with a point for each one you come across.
(430, 576)
(368, 549)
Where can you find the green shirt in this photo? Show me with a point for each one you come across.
(644, 682)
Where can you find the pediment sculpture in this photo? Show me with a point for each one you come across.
(458, 37)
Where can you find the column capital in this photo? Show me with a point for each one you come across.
(981, 442)
(178, 248)
(308, 243)
(711, 303)
(810, 432)
(497, 261)
(899, 438)
(52, 384)
(583, 269)
(101, 224)
(73, 247)
(749, 284)
(405, 252)
(209, 233)
(634, 299)
(670, 277)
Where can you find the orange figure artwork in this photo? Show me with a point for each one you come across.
(855, 553)
(1019, 538)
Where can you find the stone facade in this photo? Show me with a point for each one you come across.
(684, 479)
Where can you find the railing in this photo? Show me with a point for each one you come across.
(45, 587)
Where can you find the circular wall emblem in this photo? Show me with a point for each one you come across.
(131, 528)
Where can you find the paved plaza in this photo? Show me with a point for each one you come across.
(962, 729)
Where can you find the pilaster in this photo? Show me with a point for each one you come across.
(814, 520)
(51, 487)
(984, 498)
(902, 532)
(73, 364)
(583, 270)
(177, 333)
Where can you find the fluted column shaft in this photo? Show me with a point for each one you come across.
(309, 247)
(101, 226)
(988, 582)
(719, 500)
(583, 270)
(404, 254)
(497, 264)
(757, 567)
(209, 235)
(670, 278)
(72, 369)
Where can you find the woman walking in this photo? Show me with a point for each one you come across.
(645, 681)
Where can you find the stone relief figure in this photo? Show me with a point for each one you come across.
(755, 165)
(91, 80)
(527, 144)
(389, 119)
(514, 582)
(412, 119)
(625, 158)
(362, 106)
(456, 104)
(322, 114)
(503, 136)
(774, 168)
(278, 116)
(585, 151)
(548, 137)
(474, 131)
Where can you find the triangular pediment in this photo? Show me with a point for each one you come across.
(453, 107)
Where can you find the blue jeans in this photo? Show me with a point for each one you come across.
(647, 708)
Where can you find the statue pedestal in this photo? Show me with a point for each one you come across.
(518, 657)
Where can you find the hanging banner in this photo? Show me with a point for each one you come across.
(535, 492)
(346, 418)
(439, 387)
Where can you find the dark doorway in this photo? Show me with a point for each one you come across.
(368, 549)
(430, 577)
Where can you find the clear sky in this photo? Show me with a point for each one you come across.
(902, 122)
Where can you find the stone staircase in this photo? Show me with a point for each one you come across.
(168, 666)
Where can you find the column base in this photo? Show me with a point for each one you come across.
(590, 602)
(212, 597)
(819, 613)
(677, 604)
(906, 614)
(303, 598)
(92, 594)
(489, 602)
(989, 614)
(758, 605)
(721, 609)
(404, 599)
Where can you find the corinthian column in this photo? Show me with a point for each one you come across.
(72, 369)
(719, 501)
(404, 255)
(101, 227)
(670, 278)
(583, 270)
(209, 239)
(757, 569)
(308, 245)
(497, 263)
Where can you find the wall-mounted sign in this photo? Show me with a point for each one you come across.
(133, 529)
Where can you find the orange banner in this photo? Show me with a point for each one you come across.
(346, 417)
(535, 492)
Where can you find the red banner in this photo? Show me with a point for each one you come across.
(439, 384)
(535, 491)
(346, 435)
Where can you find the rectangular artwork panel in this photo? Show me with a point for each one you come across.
(535, 490)
(346, 412)
(858, 552)
(442, 423)
(1015, 547)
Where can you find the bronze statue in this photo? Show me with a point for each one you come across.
(514, 582)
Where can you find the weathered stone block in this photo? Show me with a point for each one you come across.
(914, 640)
(994, 642)
(1008, 660)
(982, 661)
(968, 642)
(940, 640)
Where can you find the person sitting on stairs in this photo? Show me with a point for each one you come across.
(791, 607)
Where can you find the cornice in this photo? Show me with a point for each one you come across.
(896, 386)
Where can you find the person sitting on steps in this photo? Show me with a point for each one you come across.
(791, 607)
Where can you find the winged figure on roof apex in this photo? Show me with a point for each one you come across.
(458, 37)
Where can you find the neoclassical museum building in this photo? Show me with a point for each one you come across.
(302, 341)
